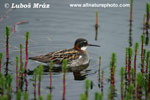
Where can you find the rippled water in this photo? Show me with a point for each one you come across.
(58, 27)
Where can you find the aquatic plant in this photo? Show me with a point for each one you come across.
(144, 24)
(98, 96)
(143, 60)
(18, 95)
(17, 73)
(49, 97)
(2, 85)
(112, 76)
(40, 72)
(129, 93)
(26, 49)
(1, 56)
(133, 82)
(126, 71)
(96, 19)
(130, 29)
(147, 14)
(112, 69)
(87, 84)
(99, 76)
(129, 63)
(91, 84)
(7, 48)
(147, 61)
(142, 47)
(147, 23)
(64, 69)
(102, 81)
(20, 56)
(8, 86)
(139, 86)
(126, 60)
(122, 72)
(135, 57)
(146, 77)
(21, 77)
(83, 97)
(26, 96)
(40, 98)
(96, 26)
(131, 10)
(3, 97)
(26, 83)
(35, 79)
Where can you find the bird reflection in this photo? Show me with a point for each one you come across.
(79, 72)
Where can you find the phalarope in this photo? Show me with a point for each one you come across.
(76, 56)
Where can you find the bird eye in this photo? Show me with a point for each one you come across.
(85, 42)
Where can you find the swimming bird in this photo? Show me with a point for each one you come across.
(76, 56)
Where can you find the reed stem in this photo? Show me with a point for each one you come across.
(17, 73)
(26, 49)
(7, 48)
(1, 56)
(64, 69)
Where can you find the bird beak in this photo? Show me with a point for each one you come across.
(93, 45)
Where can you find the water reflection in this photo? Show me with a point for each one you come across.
(130, 34)
(96, 31)
(79, 72)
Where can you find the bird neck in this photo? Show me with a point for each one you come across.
(83, 49)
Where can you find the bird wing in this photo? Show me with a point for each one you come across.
(58, 56)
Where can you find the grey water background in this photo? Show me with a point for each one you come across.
(59, 26)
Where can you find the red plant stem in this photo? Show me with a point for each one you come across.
(35, 90)
(131, 7)
(142, 66)
(142, 70)
(129, 68)
(99, 66)
(26, 84)
(122, 96)
(148, 84)
(2, 91)
(147, 21)
(64, 86)
(26, 62)
(7, 47)
(39, 88)
(112, 77)
(7, 54)
(126, 62)
(147, 63)
(97, 20)
(135, 64)
(96, 25)
(102, 82)
(144, 25)
(99, 71)
(139, 91)
(0, 65)
(16, 77)
(20, 59)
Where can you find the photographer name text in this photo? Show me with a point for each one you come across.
(29, 5)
